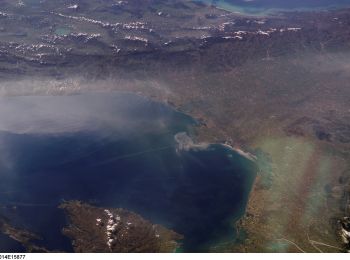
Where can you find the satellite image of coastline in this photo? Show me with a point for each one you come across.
(174, 126)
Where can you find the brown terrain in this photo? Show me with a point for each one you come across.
(26, 238)
(276, 86)
(98, 230)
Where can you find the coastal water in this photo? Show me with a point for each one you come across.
(9, 245)
(265, 7)
(116, 150)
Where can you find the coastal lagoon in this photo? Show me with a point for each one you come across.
(267, 7)
(116, 150)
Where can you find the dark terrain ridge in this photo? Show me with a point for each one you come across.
(266, 83)
(143, 38)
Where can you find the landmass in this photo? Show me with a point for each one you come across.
(97, 230)
(276, 86)
(25, 237)
(101, 230)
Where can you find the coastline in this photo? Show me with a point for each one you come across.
(259, 204)
(246, 131)
(245, 154)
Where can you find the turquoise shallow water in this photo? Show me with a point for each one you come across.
(265, 7)
(116, 150)
(62, 31)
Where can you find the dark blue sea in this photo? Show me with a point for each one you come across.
(115, 150)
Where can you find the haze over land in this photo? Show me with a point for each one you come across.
(274, 85)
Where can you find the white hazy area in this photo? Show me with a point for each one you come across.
(185, 143)
(114, 112)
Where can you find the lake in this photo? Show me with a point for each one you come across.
(265, 7)
(116, 150)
